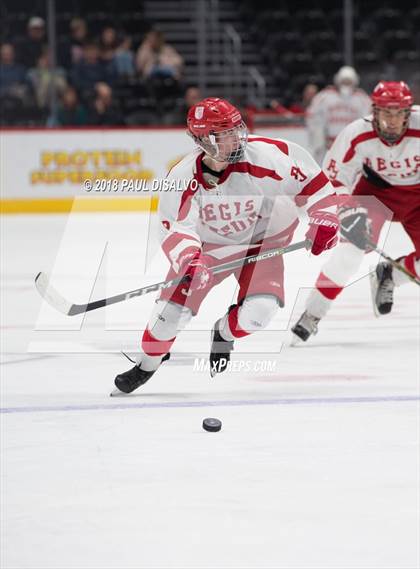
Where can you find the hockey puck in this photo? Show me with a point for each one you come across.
(212, 425)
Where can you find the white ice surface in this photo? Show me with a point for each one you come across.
(317, 462)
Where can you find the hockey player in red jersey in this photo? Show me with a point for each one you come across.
(244, 195)
(377, 156)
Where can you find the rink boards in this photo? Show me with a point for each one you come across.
(45, 170)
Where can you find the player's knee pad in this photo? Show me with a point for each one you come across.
(343, 263)
(167, 319)
(256, 312)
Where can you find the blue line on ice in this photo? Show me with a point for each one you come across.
(221, 403)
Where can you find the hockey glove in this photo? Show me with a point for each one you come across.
(355, 225)
(323, 227)
(197, 267)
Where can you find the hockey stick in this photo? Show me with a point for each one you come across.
(374, 178)
(57, 301)
(394, 263)
(378, 181)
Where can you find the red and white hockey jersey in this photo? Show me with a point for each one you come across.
(359, 144)
(329, 112)
(256, 199)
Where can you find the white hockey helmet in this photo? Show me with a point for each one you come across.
(346, 74)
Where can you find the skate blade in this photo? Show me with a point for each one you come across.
(117, 393)
(373, 290)
(296, 341)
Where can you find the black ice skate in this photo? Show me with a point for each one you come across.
(132, 379)
(382, 288)
(219, 351)
(306, 326)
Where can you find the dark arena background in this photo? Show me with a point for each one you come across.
(311, 459)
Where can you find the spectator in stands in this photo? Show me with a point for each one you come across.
(78, 38)
(161, 66)
(105, 111)
(12, 74)
(308, 93)
(333, 108)
(13, 89)
(279, 108)
(124, 59)
(71, 48)
(43, 80)
(91, 70)
(156, 58)
(32, 46)
(70, 111)
(191, 97)
(108, 43)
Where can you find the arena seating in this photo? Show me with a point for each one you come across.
(297, 42)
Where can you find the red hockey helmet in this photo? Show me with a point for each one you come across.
(392, 94)
(217, 127)
(391, 98)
